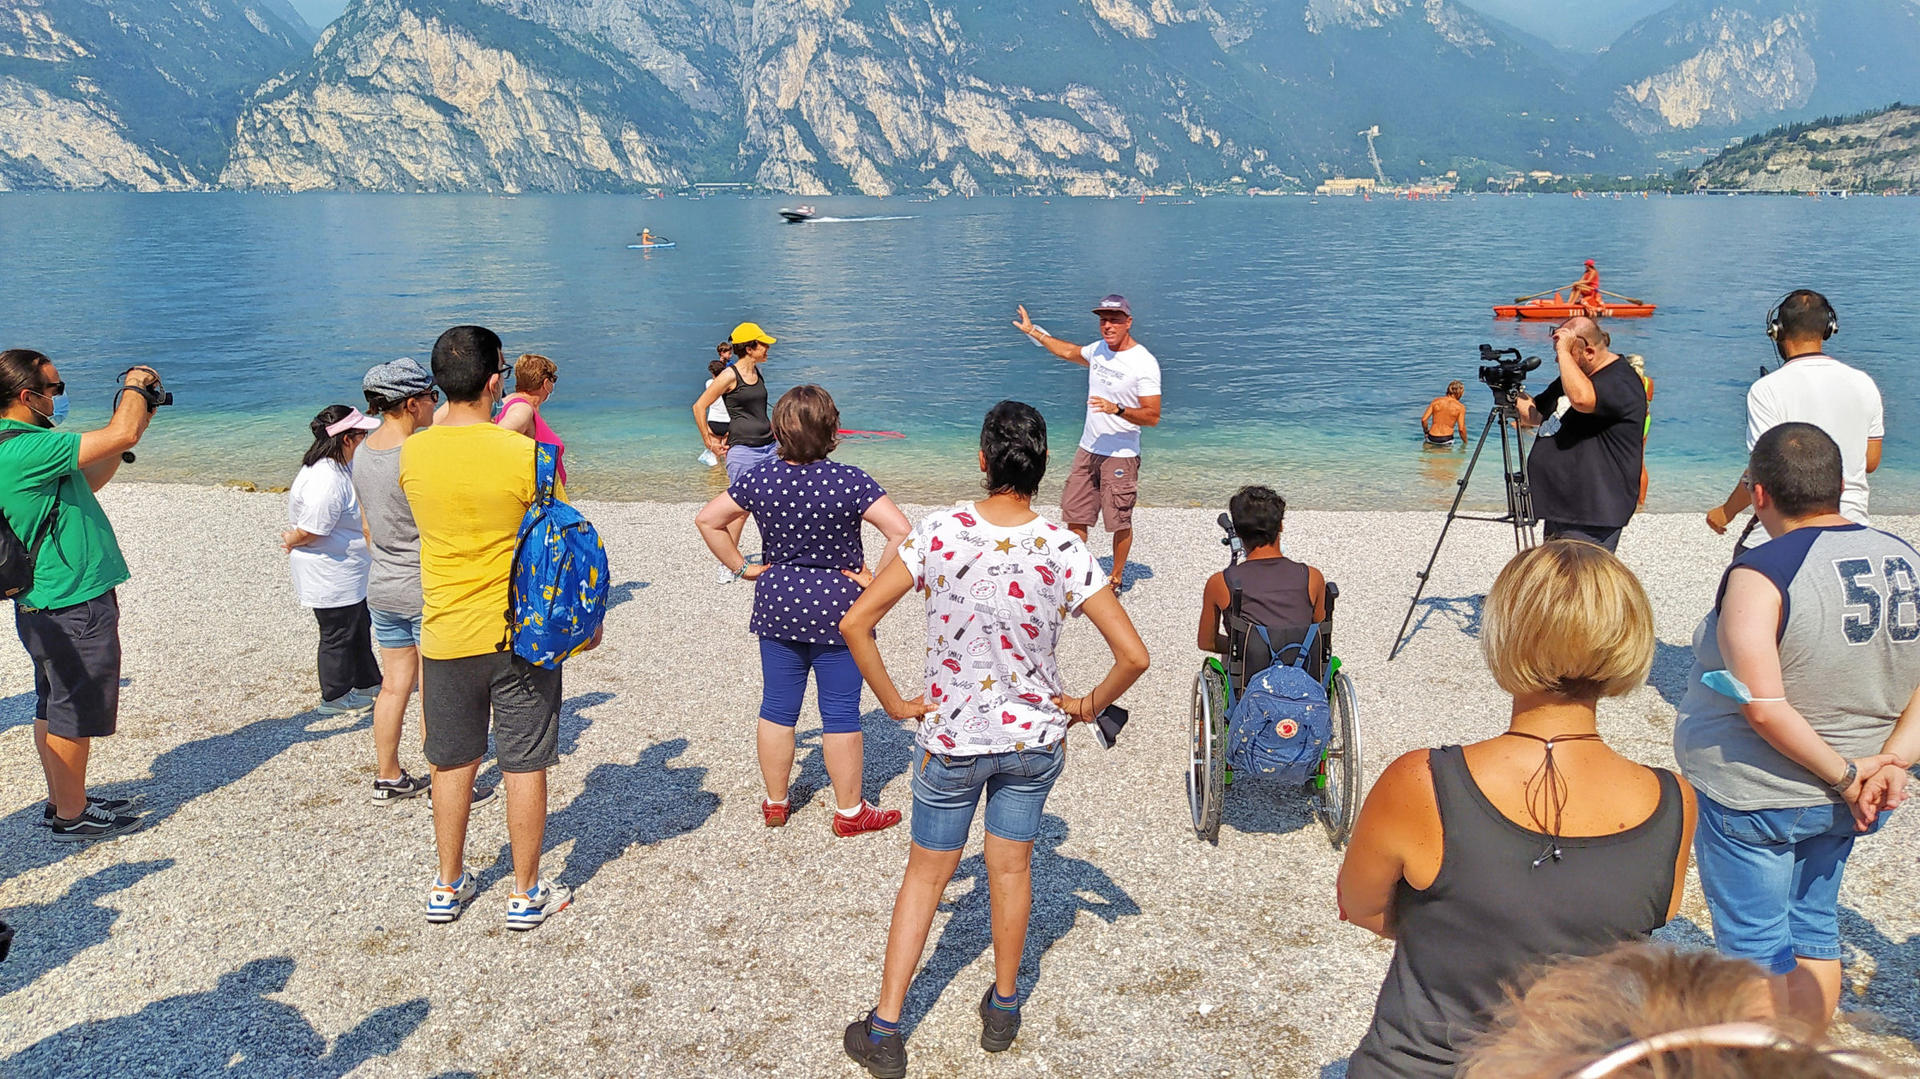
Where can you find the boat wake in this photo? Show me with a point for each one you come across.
(848, 220)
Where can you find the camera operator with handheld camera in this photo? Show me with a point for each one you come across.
(67, 613)
(1585, 466)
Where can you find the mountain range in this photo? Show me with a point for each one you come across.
(884, 96)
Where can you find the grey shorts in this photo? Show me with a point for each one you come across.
(76, 665)
(461, 698)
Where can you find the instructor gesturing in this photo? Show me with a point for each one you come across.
(1123, 387)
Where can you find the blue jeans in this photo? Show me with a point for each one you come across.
(1772, 879)
(783, 677)
(946, 790)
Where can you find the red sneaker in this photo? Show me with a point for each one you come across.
(774, 815)
(871, 818)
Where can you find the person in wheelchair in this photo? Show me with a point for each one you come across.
(1267, 589)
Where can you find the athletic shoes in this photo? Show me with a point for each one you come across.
(346, 704)
(527, 911)
(446, 901)
(871, 818)
(113, 806)
(775, 815)
(481, 795)
(389, 791)
(885, 1058)
(93, 823)
(997, 1025)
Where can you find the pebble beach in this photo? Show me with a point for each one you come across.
(267, 920)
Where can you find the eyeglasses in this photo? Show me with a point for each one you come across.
(432, 395)
(503, 370)
(52, 389)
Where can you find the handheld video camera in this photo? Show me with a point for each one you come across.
(1504, 371)
(155, 395)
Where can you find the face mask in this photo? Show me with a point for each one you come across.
(1725, 684)
(59, 413)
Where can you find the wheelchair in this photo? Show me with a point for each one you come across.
(1334, 789)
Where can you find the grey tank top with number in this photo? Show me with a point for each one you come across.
(1849, 653)
(747, 423)
(1492, 914)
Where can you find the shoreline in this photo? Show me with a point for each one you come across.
(209, 933)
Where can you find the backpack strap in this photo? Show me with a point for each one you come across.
(546, 472)
(1306, 646)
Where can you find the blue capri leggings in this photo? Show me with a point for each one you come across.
(783, 671)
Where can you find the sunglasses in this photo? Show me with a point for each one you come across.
(52, 389)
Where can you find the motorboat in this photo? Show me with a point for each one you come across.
(799, 214)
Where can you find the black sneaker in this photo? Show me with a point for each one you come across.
(482, 794)
(997, 1025)
(389, 791)
(92, 824)
(884, 1059)
(105, 805)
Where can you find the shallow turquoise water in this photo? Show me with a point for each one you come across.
(1299, 339)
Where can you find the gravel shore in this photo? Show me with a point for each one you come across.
(267, 921)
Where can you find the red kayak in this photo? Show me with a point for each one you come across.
(1556, 310)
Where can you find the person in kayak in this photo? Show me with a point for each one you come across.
(1586, 291)
(1445, 417)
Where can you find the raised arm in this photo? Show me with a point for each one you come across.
(1066, 350)
(100, 450)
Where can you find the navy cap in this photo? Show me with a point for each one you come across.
(1114, 302)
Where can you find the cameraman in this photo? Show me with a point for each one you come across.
(1585, 470)
(69, 618)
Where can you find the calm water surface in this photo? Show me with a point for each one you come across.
(1300, 340)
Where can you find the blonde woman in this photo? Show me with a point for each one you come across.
(1483, 861)
(534, 377)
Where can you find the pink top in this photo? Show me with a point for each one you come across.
(541, 432)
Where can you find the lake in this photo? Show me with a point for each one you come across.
(1299, 339)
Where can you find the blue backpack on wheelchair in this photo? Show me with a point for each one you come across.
(1282, 722)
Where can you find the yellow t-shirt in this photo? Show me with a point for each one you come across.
(469, 487)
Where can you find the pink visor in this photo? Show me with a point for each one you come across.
(355, 420)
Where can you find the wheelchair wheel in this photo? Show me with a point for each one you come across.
(1207, 768)
(1339, 797)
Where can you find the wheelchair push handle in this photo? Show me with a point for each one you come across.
(1231, 540)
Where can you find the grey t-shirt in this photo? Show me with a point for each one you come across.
(393, 583)
(1849, 651)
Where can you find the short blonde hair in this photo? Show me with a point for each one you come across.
(530, 371)
(1570, 619)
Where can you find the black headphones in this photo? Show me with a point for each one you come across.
(1774, 328)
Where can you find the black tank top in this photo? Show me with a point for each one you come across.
(1273, 591)
(1491, 915)
(747, 423)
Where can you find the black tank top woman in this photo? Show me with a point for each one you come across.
(747, 423)
(1498, 909)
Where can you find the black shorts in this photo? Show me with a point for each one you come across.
(76, 665)
(459, 697)
(1440, 440)
(719, 427)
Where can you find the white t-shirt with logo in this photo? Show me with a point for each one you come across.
(996, 599)
(332, 570)
(1124, 378)
(1840, 400)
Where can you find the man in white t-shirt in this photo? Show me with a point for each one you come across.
(1123, 385)
(1813, 387)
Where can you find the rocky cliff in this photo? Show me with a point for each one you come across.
(1873, 153)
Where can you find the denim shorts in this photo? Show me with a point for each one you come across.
(783, 677)
(946, 790)
(1772, 879)
(395, 630)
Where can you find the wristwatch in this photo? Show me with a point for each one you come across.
(1840, 785)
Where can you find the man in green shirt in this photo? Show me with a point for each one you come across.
(69, 617)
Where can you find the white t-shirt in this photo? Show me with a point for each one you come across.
(332, 570)
(716, 412)
(1840, 400)
(1123, 378)
(996, 598)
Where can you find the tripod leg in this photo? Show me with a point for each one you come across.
(1452, 512)
(1519, 488)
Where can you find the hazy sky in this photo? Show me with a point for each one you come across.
(1582, 24)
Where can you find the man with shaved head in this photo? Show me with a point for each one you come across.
(1585, 466)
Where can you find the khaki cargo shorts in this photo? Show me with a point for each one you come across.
(1101, 489)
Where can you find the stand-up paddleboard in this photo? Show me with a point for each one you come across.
(866, 436)
(650, 247)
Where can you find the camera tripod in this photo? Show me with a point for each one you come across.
(1513, 470)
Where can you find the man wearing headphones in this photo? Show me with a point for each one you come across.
(1812, 387)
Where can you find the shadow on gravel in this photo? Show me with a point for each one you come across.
(1063, 887)
(1672, 666)
(17, 710)
(886, 748)
(1462, 612)
(624, 591)
(621, 806)
(1137, 571)
(232, 1030)
(1885, 1004)
(49, 935)
(179, 775)
(1266, 806)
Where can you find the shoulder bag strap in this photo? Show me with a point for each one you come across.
(46, 524)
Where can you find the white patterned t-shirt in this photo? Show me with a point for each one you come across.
(996, 598)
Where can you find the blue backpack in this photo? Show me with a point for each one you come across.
(1282, 723)
(559, 591)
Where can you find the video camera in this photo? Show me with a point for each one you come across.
(1505, 372)
(155, 395)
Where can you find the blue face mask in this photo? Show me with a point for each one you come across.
(59, 413)
(1725, 684)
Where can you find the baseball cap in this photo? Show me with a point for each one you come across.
(1114, 302)
(750, 331)
(398, 380)
(1589, 262)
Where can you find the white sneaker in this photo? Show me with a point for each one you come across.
(530, 910)
(721, 575)
(446, 901)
